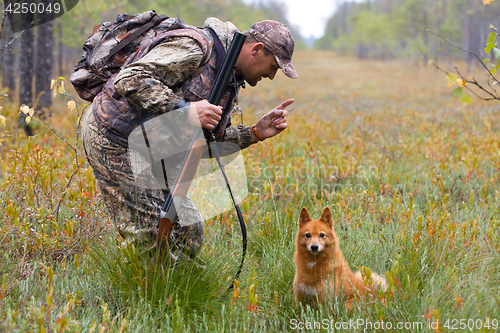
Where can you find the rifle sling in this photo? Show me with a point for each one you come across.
(165, 224)
(238, 212)
(219, 49)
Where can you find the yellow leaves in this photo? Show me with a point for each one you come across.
(459, 301)
(4, 286)
(2, 118)
(236, 287)
(71, 105)
(252, 296)
(61, 89)
(461, 82)
(50, 288)
(24, 109)
(124, 325)
(458, 92)
(487, 2)
(453, 79)
(28, 111)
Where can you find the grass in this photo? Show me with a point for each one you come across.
(409, 173)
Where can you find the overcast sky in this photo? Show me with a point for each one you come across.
(310, 16)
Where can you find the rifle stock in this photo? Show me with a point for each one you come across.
(189, 165)
(179, 192)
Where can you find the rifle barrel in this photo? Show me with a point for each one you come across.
(216, 94)
(227, 69)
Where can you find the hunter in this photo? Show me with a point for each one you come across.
(170, 77)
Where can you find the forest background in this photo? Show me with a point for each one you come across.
(373, 29)
(376, 134)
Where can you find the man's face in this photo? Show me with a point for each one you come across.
(260, 65)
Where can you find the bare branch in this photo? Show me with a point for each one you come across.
(53, 131)
(464, 50)
(492, 93)
(78, 165)
(74, 148)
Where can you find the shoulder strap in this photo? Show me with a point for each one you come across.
(219, 49)
(154, 21)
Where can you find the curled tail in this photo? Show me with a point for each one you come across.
(371, 279)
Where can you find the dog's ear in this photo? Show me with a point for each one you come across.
(304, 216)
(326, 217)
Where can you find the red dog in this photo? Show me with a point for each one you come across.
(319, 261)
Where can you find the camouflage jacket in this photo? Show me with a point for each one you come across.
(174, 69)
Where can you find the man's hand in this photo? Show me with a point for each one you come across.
(205, 114)
(273, 122)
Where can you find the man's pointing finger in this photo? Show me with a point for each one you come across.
(285, 104)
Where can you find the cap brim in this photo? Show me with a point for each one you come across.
(287, 68)
(290, 71)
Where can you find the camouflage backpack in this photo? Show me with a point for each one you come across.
(115, 44)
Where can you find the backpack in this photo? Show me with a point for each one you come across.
(113, 45)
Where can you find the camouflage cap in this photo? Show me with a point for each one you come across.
(279, 41)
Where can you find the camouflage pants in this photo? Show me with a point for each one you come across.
(135, 208)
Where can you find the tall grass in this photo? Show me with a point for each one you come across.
(409, 173)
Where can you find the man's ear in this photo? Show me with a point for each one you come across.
(304, 217)
(256, 48)
(326, 217)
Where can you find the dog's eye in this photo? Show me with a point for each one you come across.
(308, 235)
(322, 235)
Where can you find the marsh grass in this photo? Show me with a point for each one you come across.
(410, 174)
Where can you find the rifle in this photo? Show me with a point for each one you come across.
(191, 159)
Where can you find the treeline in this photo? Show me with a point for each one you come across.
(388, 29)
(31, 58)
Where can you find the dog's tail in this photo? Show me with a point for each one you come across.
(376, 280)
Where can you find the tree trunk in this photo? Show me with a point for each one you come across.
(60, 53)
(26, 71)
(43, 64)
(9, 63)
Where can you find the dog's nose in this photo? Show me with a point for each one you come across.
(314, 248)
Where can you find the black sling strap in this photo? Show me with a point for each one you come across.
(219, 49)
